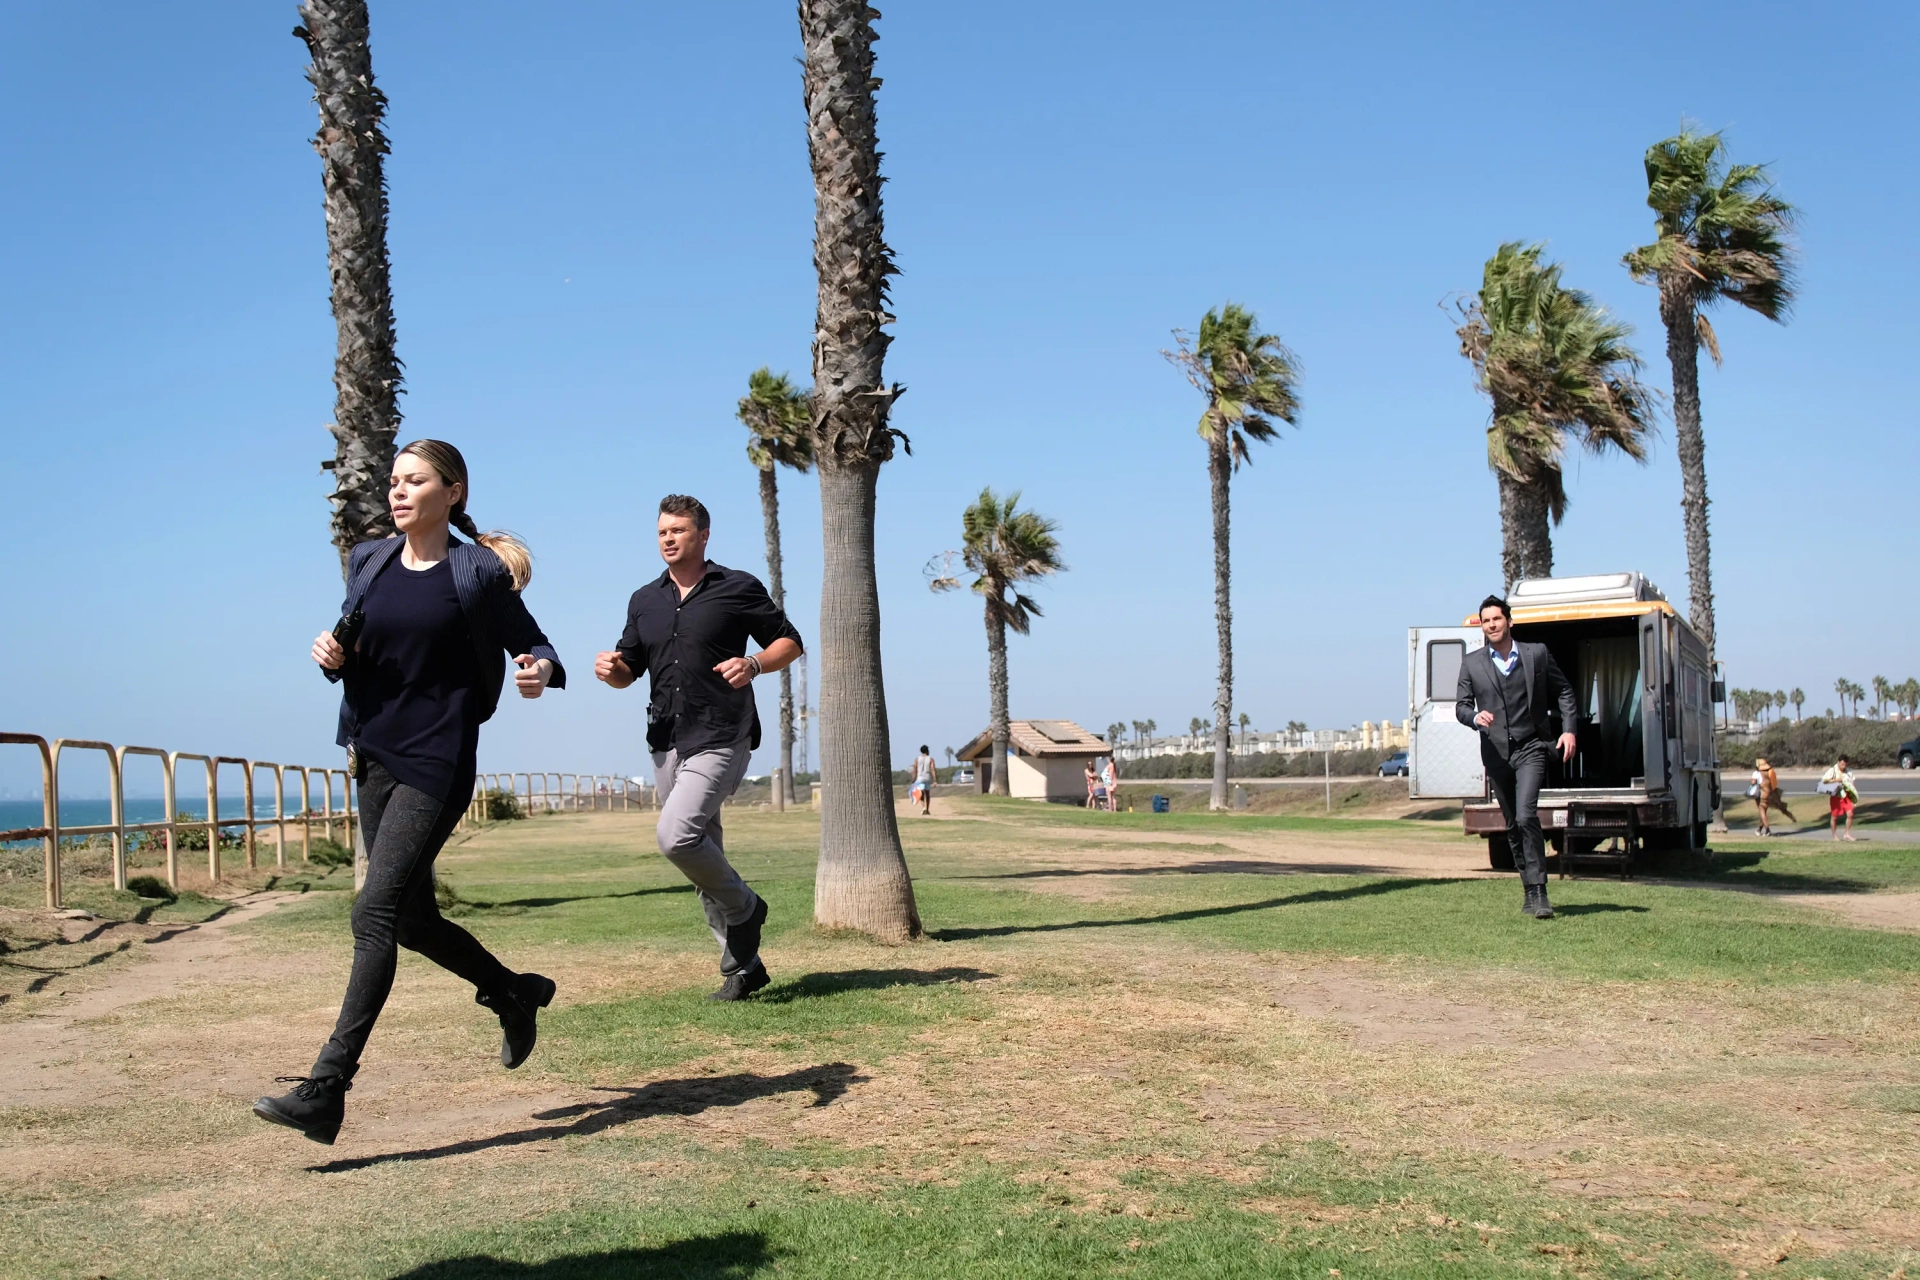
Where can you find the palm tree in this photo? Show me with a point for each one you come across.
(1909, 693)
(1780, 700)
(1882, 691)
(1249, 380)
(1843, 687)
(1152, 726)
(366, 368)
(861, 881)
(1555, 364)
(777, 415)
(1116, 733)
(1720, 235)
(1798, 698)
(1246, 723)
(1194, 726)
(1004, 547)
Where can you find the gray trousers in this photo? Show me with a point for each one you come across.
(689, 833)
(1516, 785)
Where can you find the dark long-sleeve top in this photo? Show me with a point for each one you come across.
(388, 670)
(1479, 689)
(679, 642)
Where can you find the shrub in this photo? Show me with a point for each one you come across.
(151, 887)
(328, 853)
(1818, 740)
(502, 806)
(1299, 764)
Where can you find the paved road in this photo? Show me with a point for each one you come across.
(1895, 782)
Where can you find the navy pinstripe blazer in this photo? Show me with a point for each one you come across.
(496, 616)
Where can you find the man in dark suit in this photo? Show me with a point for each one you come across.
(1506, 690)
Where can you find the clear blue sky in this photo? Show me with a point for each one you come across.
(601, 222)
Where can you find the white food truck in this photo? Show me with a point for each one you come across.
(1644, 775)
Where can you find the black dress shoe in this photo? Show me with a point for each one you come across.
(526, 995)
(743, 984)
(743, 939)
(1537, 905)
(316, 1107)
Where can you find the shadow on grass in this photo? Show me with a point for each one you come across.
(816, 985)
(1742, 870)
(661, 1098)
(730, 1255)
(1370, 890)
(1215, 867)
(585, 897)
(1598, 908)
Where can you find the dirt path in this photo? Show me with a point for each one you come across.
(50, 1059)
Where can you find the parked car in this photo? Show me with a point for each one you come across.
(963, 777)
(1394, 766)
(1910, 754)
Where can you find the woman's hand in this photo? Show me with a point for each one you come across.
(328, 653)
(531, 679)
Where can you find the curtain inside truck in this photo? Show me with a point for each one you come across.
(1611, 690)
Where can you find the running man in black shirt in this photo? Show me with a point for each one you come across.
(436, 618)
(688, 631)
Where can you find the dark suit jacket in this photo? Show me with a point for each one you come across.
(495, 614)
(1480, 691)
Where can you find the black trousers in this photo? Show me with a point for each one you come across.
(1517, 780)
(403, 830)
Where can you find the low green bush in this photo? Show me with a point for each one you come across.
(151, 887)
(327, 853)
(1299, 764)
(1820, 740)
(502, 806)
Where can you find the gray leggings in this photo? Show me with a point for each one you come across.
(689, 833)
(403, 829)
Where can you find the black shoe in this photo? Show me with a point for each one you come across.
(1536, 904)
(743, 984)
(526, 995)
(743, 939)
(316, 1106)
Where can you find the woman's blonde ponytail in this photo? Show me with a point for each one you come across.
(452, 469)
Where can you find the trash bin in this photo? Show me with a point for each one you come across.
(1160, 804)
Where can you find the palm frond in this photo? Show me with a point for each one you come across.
(1721, 233)
(777, 416)
(1004, 547)
(1250, 379)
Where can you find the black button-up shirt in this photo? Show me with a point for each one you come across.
(679, 642)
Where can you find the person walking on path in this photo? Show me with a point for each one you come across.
(923, 776)
(1506, 691)
(1842, 795)
(420, 650)
(1767, 794)
(688, 630)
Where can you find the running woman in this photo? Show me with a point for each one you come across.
(436, 617)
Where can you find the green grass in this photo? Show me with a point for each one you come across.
(1799, 867)
(680, 1145)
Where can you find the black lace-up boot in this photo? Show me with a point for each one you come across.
(518, 1007)
(1537, 905)
(740, 985)
(316, 1107)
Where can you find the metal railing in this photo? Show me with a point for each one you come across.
(51, 832)
(588, 792)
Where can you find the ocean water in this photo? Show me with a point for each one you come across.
(15, 814)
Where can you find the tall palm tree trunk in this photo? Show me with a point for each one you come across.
(366, 369)
(997, 720)
(861, 882)
(1526, 531)
(1219, 473)
(770, 515)
(1683, 350)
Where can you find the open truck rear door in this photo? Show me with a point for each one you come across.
(1444, 756)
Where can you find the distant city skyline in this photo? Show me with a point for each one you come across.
(601, 223)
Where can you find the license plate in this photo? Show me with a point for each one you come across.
(1559, 817)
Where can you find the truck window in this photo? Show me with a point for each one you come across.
(1443, 669)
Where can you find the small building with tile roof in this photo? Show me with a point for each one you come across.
(1046, 759)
